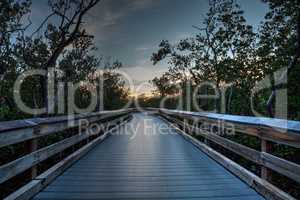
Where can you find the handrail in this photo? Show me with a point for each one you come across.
(280, 131)
(25, 123)
(286, 132)
(14, 132)
(289, 125)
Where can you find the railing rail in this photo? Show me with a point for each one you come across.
(13, 132)
(30, 130)
(267, 130)
(276, 130)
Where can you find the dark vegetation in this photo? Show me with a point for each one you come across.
(230, 53)
(60, 42)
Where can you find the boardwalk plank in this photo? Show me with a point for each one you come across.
(150, 165)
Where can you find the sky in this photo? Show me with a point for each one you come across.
(131, 30)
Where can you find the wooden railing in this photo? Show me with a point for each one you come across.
(266, 130)
(30, 130)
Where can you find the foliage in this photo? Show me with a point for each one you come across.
(164, 85)
(222, 52)
(12, 15)
(278, 46)
(226, 51)
(60, 41)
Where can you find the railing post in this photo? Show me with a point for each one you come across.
(205, 140)
(265, 147)
(32, 146)
(185, 128)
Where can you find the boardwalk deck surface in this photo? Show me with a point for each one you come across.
(143, 162)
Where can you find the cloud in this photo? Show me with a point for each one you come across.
(141, 4)
(107, 16)
(146, 48)
(143, 48)
(145, 72)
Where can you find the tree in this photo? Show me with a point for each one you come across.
(12, 16)
(30, 54)
(60, 42)
(77, 64)
(279, 46)
(67, 31)
(164, 85)
(114, 91)
(222, 51)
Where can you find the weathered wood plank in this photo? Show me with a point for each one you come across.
(150, 195)
(277, 130)
(239, 149)
(15, 136)
(141, 188)
(147, 166)
(284, 167)
(21, 130)
(263, 121)
(26, 191)
(20, 165)
(258, 129)
(263, 187)
(33, 187)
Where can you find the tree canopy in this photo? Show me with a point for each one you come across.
(228, 52)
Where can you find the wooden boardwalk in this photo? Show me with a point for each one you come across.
(147, 163)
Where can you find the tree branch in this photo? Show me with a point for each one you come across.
(42, 24)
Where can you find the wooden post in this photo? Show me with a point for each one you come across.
(32, 146)
(185, 129)
(206, 141)
(265, 147)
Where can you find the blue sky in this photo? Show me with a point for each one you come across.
(130, 30)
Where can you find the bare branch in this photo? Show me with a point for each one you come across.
(75, 33)
(42, 24)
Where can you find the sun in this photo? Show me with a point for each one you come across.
(137, 94)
